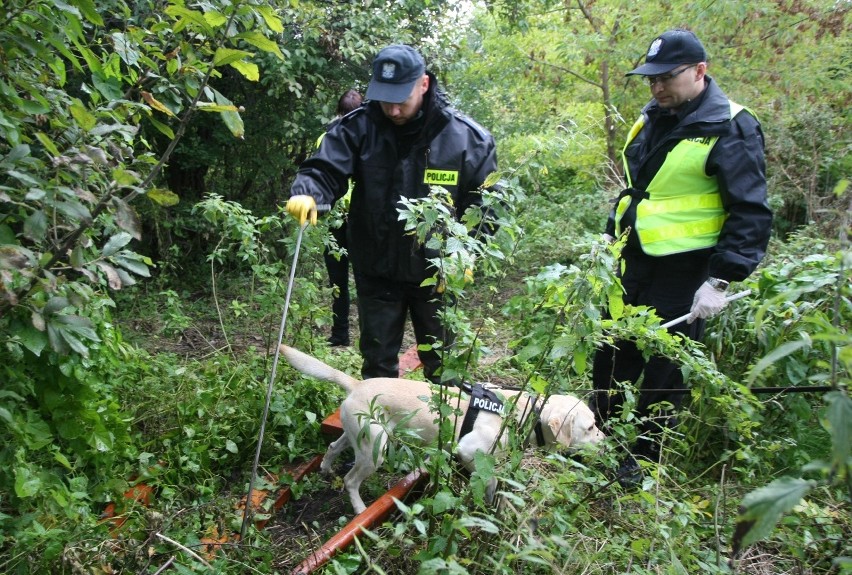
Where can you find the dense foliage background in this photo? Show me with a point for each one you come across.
(145, 150)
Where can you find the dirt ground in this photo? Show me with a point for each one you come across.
(302, 526)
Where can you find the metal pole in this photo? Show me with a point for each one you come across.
(246, 513)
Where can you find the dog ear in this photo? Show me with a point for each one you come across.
(562, 425)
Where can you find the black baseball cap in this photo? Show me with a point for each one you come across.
(395, 71)
(669, 50)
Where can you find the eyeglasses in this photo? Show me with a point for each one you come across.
(668, 77)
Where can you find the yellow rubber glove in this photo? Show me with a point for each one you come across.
(302, 208)
(468, 276)
(468, 279)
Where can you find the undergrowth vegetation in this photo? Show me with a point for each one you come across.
(143, 278)
(169, 408)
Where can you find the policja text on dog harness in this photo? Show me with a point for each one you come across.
(481, 399)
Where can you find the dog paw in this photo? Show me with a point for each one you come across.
(490, 491)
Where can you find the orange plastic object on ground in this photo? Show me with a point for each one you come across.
(409, 361)
(371, 516)
(331, 425)
(258, 496)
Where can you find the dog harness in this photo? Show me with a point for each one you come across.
(539, 434)
(483, 399)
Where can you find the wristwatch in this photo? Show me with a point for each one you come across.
(720, 285)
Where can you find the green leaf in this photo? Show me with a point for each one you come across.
(133, 265)
(271, 19)
(163, 197)
(615, 298)
(62, 460)
(763, 507)
(108, 86)
(27, 484)
(47, 143)
(839, 425)
(124, 48)
(24, 178)
(225, 56)
(89, 11)
(81, 114)
(55, 305)
(162, 128)
(185, 17)
(17, 153)
(232, 119)
(248, 70)
(258, 40)
(75, 211)
(580, 357)
(33, 339)
(480, 523)
(779, 352)
(215, 19)
(116, 242)
(126, 278)
(444, 501)
(210, 107)
(491, 180)
(35, 226)
(126, 218)
(528, 352)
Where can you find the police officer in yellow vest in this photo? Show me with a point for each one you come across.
(697, 216)
(337, 263)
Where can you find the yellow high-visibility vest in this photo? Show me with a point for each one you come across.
(683, 211)
(347, 198)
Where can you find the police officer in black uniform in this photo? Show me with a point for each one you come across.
(405, 137)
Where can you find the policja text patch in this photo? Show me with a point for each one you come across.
(481, 399)
(441, 177)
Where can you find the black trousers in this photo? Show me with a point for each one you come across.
(383, 306)
(338, 275)
(667, 284)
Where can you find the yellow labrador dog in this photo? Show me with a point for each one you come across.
(563, 420)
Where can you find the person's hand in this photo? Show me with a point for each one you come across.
(467, 279)
(302, 208)
(607, 238)
(708, 301)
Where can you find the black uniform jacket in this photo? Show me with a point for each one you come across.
(737, 163)
(387, 163)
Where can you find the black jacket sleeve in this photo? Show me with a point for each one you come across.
(738, 164)
(325, 175)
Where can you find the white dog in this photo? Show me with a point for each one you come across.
(566, 420)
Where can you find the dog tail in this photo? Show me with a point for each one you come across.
(313, 367)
